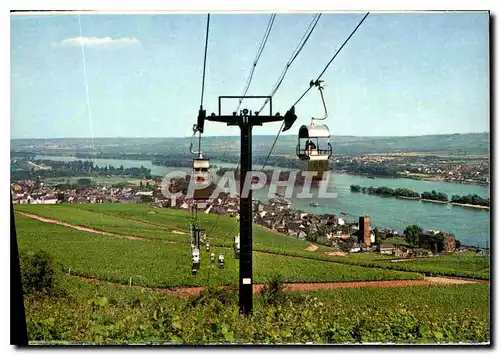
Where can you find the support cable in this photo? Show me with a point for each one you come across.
(317, 82)
(204, 62)
(247, 85)
(272, 147)
(295, 54)
(203, 78)
(331, 60)
(257, 57)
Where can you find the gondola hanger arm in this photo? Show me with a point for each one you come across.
(320, 86)
(195, 130)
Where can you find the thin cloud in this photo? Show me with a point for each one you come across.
(99, 42)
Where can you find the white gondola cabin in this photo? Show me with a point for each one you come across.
(195, 258)
(314, 148)
(201, 179)
(221, 261)
(236, 246)
(212, 257)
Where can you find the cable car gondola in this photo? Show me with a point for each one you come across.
(195, 258)
(201, 178)
(221, 261)
(201, 175)
(313, 146)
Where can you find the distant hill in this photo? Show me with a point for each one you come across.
(466, 144)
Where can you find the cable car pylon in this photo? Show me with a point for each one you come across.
(245, 120)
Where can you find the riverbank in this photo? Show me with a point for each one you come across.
(408, 198)
(470, 206)
(456, 204)
(434, 201)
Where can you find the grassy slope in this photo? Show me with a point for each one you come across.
(114, 224)
(464, 261)
(414, 314)
(159, 264)
(146, 221)
(443, 299)
(116, 218)
(460, 265)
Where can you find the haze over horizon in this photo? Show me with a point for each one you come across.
(400, 75)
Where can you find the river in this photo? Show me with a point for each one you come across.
(470, 226)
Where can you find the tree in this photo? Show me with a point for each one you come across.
(412, 234)
(85, 182)
(311, 237)
(355, 188)
(61, 197)
(146, 199)
(40, 273)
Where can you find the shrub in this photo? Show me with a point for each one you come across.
(226, 296)
(273, 292)
(39, 273)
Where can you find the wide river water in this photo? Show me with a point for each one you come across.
(471, 226)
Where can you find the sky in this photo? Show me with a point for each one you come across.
(400, 74)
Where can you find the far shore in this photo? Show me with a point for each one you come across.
(437, 201)
(433, 179)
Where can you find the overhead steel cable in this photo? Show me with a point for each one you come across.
(295, 54)
(331, 60)
(194, 208)
(257, 57)
(316, 83)
(247, 86)
(203, 78)
(272, 147)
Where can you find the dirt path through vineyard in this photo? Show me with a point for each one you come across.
(80, 228)
(195, 290)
